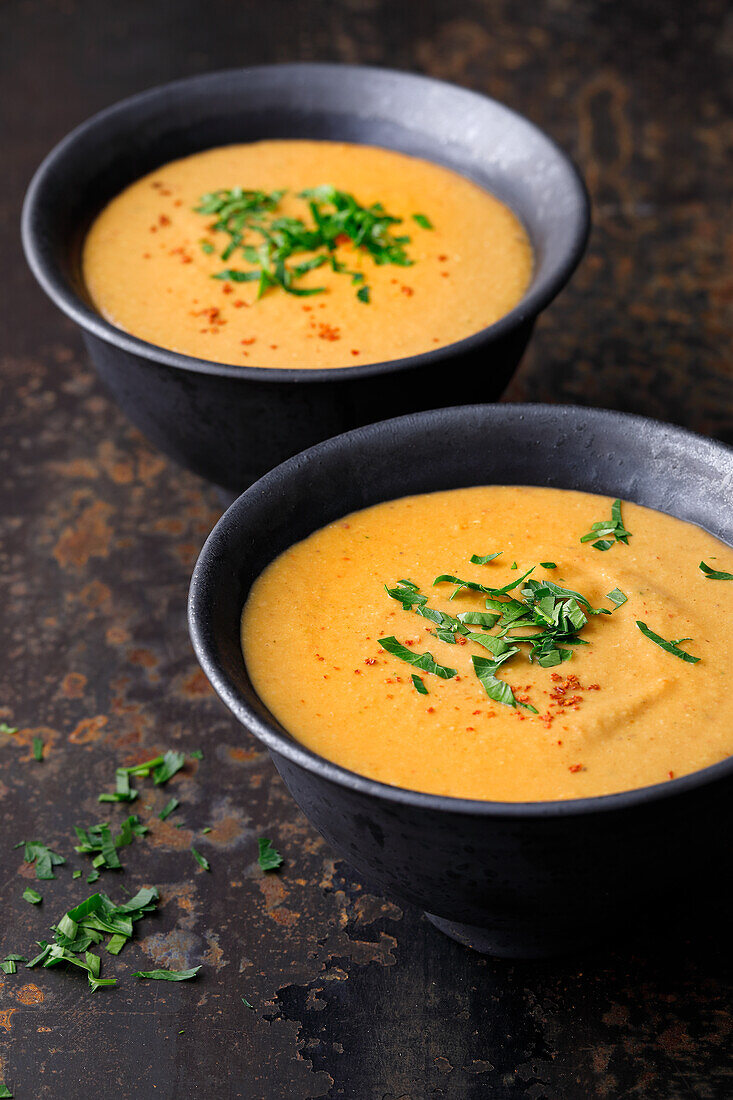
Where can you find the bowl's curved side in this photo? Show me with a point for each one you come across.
(415, 114)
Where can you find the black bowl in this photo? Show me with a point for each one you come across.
(228, 423)
(520, 879)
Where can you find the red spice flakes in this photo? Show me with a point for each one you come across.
(442, 259)
(306, 309)
(226, 289)
(407, 291)
(431, 710)
(147, 256)
(178, 202)
(475, 712)
(445, 274)
(156, 184)
(370, 660)
(328, 332)
(163, 219)
(357, 672)
(470, 729)
(342, 238)
(273, 347)
(671, 775)
(575, 768)
(153, 229)
(238, 303)
(436, 339)
(354, 351)
(325, 675)
(462, 641)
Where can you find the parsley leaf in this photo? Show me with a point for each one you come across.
(418, 684)
(32, 896)
(601, 531)
(714, 574)
(475, 559)
(168, 975)
(497, 689)
(670, 647)
(201, 860)
(423, 661)
(38, 749)
(44, 859)
(423, 221)
(268, 857)
(168, 809)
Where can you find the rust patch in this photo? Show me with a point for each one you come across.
(5, 1018)
(95, 594)
(240, 756)
(196, 685)
(116, 465)
(215, 954)
(29, 995)
(172, 950)
(142, 657)
(273, 891)
(90, 536)
(368, 908)
(117, 635)
(89, 729)
(73, 684)
(77, 467)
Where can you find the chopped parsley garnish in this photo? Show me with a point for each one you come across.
(9, 965)
(38, 749)
(98, 841)
(548, 564)
(168, 809)
(32, 896)
(162, 769)
(268, 857)
(672, 647)
(555, 614)
(418, 684)
(5, 728)
(201, 860)
(715, 574)
(268, 241)
(246, 1003)
(603, 533)
(5, 1093)
(44, 859)
(168, 975)
(86, 925)
(423, 661)
(423, 221)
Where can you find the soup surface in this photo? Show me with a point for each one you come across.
(153, 259)
(622, 712)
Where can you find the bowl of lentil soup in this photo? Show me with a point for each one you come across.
(625, 627)
(262, 258)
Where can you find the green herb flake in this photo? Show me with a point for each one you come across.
(714, 574)
(268, 857)
(423, 221)
(418, 684)
(38, 749)
(44, 859)
(670, 647)
(603, 533)
(201, 860)
(168, 975)
(168, 809)
(5, 1093)
(77, 874)
(207, 247)
(548, 564)
(423, 661)
(617, 597)
(497, 689)
(5, 728)
(32, 896)
(475, 559)
(246, 1003)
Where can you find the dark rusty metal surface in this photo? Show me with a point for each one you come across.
(352, 996)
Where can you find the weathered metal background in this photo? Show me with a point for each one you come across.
(353, 997)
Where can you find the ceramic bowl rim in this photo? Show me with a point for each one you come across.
(284, 745)
(536, 298)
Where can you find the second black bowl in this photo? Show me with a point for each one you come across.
(231, 424)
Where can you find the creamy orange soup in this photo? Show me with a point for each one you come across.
(622, 712)
(150, 257)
